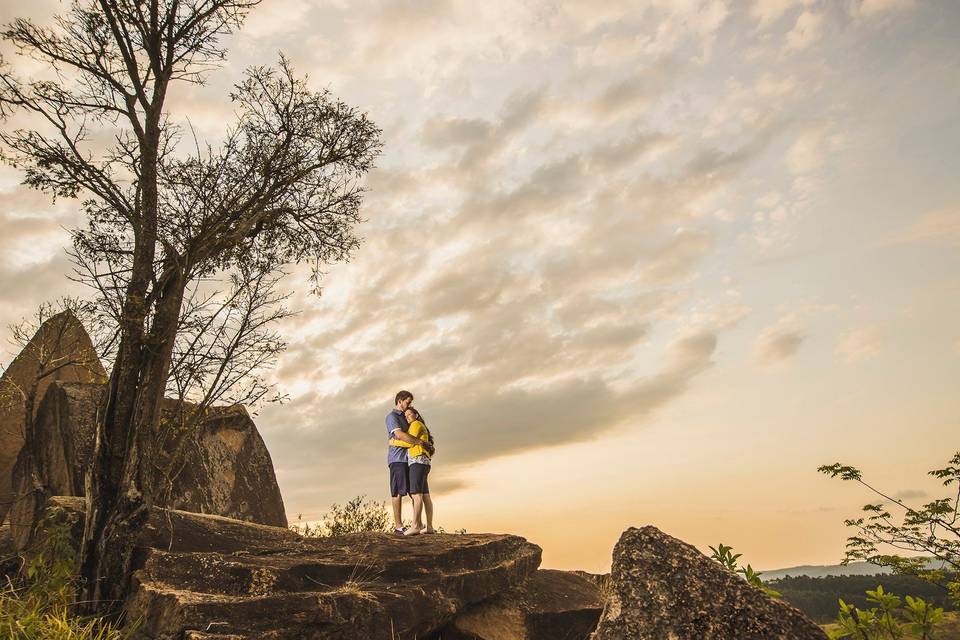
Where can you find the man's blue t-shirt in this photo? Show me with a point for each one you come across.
(395, 420)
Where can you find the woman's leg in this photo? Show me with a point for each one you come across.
(428, 507)
(417, 525)
(427, 500)
(418, 479)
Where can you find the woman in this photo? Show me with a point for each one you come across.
(419, 461)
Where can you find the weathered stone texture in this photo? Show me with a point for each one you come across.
(208, 577)
(61, 350)
(664, 589)
(550, 605)
(229, 472)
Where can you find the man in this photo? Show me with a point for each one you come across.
(397, 456)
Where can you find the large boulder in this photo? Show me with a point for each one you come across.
(225, 471)
(200, 576)
(550, 605)
(663, 588)
(61, 350)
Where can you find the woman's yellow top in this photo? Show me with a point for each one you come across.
(417, 430)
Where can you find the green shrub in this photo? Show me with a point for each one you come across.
(886, 621)
(725, 556)
(889, 620)
(38, 604)
(356, 516)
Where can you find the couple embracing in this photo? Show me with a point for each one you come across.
(409, 451)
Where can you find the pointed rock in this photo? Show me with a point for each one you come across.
(662, 587)
(61, 350)
(228, 471)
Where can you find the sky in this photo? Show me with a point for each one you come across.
(639, 262)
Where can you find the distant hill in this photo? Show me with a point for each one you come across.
(821, 571)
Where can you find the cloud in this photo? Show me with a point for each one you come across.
(807, 151)
(936, 227)
(766, 12)
(911, 494)
(858, 345)
(876, 8)
(489, 407)
(281, 18)
(781, 341)
(776, 345)
(517, 314)
(807, 30)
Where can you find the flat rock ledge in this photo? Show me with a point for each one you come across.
(664, 589)
(202, 577)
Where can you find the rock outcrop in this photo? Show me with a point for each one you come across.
(550, 605)
(60, 350)
(226, 471)
(215, 578)
(663, 588)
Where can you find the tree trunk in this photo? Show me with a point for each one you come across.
(115, 504)
(123, 505)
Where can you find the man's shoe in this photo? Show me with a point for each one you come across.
(399, 530)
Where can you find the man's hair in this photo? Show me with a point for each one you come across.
(402, 395)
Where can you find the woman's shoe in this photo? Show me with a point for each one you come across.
(412, 531)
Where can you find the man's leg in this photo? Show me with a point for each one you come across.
(397, 511)
(399, 484)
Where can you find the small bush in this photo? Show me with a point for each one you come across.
(889, 620)
(38, 604)
(725, 556)
(356, 516)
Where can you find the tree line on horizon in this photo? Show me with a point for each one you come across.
(817, 596)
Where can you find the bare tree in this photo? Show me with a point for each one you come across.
(224, 347)
(282, 187)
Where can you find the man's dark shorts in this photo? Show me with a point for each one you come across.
(418, 478)
(399, 484)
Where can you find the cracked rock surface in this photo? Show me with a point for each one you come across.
(665, 589)
(201, 576)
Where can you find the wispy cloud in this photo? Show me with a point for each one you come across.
(874, 8)
(806, 31)
(939, 226)
(859, 344)
(776, 345)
